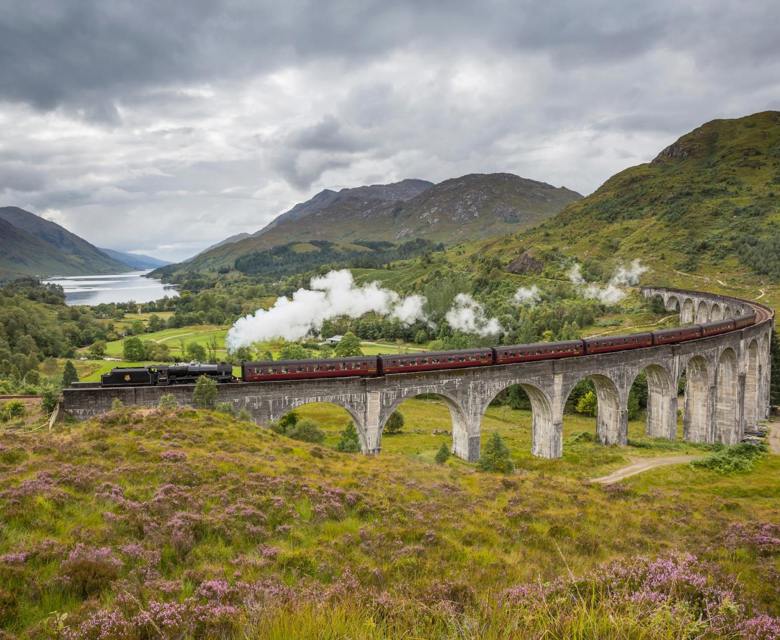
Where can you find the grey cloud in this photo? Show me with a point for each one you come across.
(92, 55)
(193, 121)
(326, 135)
(18, 177)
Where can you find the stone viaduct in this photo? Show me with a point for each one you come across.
(726, 389)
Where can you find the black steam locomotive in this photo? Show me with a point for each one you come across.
(162, 375)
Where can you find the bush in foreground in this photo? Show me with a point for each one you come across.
(735, 459)
(11, 410)
(307, 431)
(205, 394)
(394, 423)
(496, 456)
(669, 597)
(443, 454)
(349, 442)
(167, 402)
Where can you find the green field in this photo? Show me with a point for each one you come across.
(428, 425)
(204, 334)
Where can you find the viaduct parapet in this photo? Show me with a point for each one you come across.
(726, 387)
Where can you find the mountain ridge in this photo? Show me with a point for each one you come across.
(135, 260)
(463, 208)
(33, 246)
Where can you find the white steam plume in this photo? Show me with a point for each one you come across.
(330, 296)
(527, 295)
(467, 315)
(628, 276)
(614, 291)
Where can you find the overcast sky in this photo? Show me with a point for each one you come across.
(163, 127)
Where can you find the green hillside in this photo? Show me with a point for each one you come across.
(705, 213)
(32, 246)
(710, 202)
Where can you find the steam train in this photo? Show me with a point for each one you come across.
(369, 366)
(163, 375)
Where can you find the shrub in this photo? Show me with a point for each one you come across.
(88, 570)
(133, 350)
(196, 352)
(285, 423)
(496, 457)
(349, 345)
(167, 402)
(49, 399)
(738, 458)
(587, 404)
(13, 409)
(306, 430)
(443, 454)
(117, 405)
(394, 423)
(97, 349)
(225, 407)
(205, 394)
(293, 351)
(349, 442)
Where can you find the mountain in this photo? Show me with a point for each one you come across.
(135, 260)
(466, 208)
(357, 200)
(709, 202)
(228, 240)
(30, 245)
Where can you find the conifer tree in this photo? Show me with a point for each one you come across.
(496, 456)
(69, 374)
(349, 442)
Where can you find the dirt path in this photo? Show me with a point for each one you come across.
(640, 466)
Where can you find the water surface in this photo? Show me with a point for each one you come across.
(122, 287)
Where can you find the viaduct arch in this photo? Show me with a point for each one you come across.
(726, 387)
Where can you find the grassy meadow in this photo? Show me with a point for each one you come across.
(194, 524)
(428, 426)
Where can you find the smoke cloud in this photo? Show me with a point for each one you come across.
(468, 315)
(527, 295)
(330, 296)
(614, 291)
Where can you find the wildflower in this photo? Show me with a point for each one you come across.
(173, 456)
(761, 627)
(88, 570)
